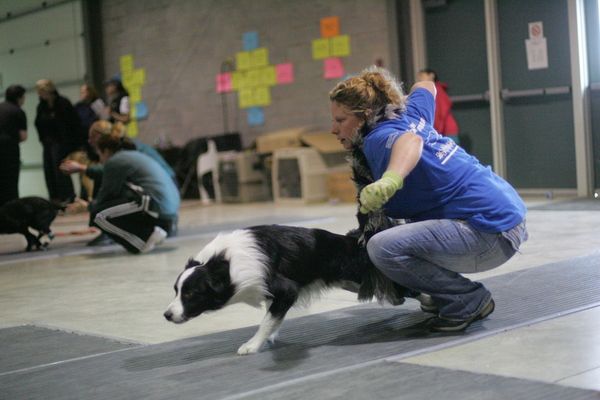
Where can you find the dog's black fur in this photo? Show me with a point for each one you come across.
(291, 263)
(17, 216)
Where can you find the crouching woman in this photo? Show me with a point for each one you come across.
(138, 201)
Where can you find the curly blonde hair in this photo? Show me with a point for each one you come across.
(369, 95)
(105, 128)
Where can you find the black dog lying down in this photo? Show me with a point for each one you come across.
(277, 264)
(17, 216)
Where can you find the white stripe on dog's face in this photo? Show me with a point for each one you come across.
(176, 307)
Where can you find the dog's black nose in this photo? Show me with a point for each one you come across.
(168, 315)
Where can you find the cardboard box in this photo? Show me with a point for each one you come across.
(340, 186)
(286, 138)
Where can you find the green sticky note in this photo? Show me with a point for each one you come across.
(242, 60)
(259, 57)
(340, 46)
(320, 49)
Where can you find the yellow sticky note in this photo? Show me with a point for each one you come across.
(268, 76)
(135, 94)
(320, 49)
(259, 57)
(262, 96)
(132, 128)
(253, 77)
(340, 46)
(126, 64)
(138, 78)
(246, 98)
(242, 60)
(237, 80)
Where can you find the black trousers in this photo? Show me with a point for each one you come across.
(130, 222)
(60, 186)
(9, 177)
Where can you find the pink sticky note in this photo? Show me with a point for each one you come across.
(333, 68)
(285, 73)
(224, 82)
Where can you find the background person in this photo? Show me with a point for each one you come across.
(13, 130)
(118, 101)
(138, 201)
(461, 216)
(59, 131)
(444, 122)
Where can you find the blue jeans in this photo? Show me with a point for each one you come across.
(428, 257)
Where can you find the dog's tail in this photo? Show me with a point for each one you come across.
(377, 285)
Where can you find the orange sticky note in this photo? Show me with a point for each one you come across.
(330, 26)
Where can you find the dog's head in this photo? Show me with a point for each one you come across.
(201, 287)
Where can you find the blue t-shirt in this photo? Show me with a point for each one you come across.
(447, 183)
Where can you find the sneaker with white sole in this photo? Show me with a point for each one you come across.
(157, 237)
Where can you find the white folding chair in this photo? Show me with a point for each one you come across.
(209, 162)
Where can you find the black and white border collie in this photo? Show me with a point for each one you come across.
(278, 265)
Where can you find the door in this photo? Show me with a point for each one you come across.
(456, 50)
(538, 111)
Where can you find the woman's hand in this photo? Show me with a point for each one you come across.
(375, 195)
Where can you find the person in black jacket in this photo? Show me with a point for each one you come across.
(59, 130)
(13, 130)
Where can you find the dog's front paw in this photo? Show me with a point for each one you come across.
(250, 347)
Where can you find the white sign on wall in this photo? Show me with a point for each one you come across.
(536, 47)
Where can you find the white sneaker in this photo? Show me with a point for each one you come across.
(157, 237)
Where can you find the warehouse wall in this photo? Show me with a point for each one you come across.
(182, 44)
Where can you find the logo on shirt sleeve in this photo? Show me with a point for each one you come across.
(446, 151)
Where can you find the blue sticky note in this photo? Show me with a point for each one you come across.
(250, 40)
(256, 116)
(141, 110)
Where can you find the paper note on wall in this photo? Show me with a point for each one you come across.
(333, 68)
(132, 128)
(242, 60)
(340, 46)
(250, 40)
(330, 27)
(224, 82)
(135, 94)
(246, 98)
(262, 96)
(285, 73)
(138, 77)
(268, 76)
(259, 57)
(253, 78)
(141, 110)
(320, 49)
(256, 116)
(126, 64)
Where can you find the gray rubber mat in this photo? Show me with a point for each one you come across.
(390, 380)
(571, 205)
(352, 338)
(28, 346)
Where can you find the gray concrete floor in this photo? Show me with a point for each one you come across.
(118, 295)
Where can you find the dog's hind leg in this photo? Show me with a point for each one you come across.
(284, 293)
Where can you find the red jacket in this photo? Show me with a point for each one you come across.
(444, 121)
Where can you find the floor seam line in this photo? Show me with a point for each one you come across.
(69, 360)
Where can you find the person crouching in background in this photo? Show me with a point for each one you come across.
(138, 201)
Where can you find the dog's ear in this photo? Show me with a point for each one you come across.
(192, 263)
